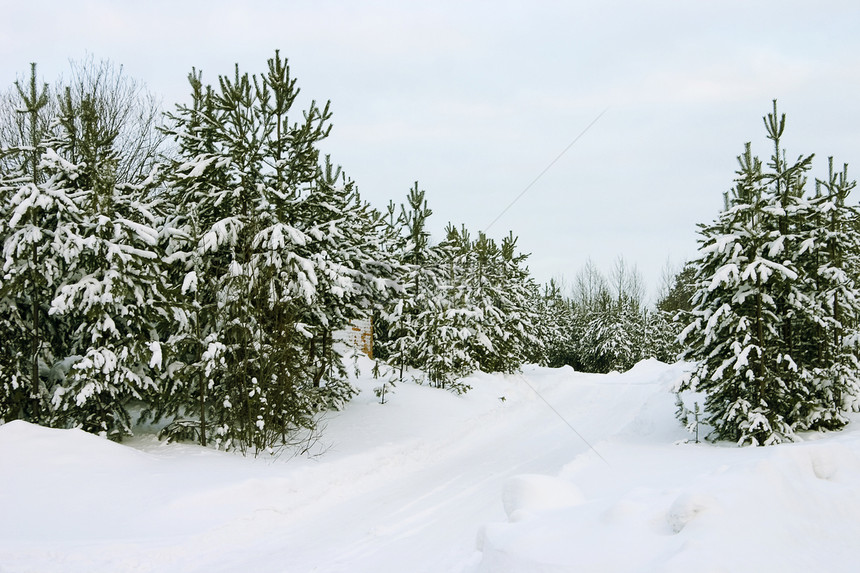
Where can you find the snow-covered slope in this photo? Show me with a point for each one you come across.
(435, 482)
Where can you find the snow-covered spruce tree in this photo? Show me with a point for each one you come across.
(275, 251)
(758, 316)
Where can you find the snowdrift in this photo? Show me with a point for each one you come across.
(550, 470)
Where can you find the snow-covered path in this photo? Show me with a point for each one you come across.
(435, 482)
(400, 486)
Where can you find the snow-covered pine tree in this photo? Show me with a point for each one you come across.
(13, 393)
(660, 336)
(358, 272)
(196, 354)
(827, 339)
(589, 293)
(554, 325)
(221, 375)
(431, 321)
(35, 236)
(418, 277)
(502, 291)
(276, 253)
(734, 318)
(611, 325)
(760, 314)
(454, 315)
(483, 285)
(610, 336)
(113, 297)
(672, 313)
(387, 320)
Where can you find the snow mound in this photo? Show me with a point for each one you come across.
(23, 443)
(685, 508)
(785, 508)
(525, 495)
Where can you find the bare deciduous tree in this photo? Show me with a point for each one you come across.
(126, 112)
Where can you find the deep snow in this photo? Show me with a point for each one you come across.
(435, 482)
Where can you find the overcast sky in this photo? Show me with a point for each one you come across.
(475, 99)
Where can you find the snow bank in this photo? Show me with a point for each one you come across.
(547, 471)
(694, 508)
(524, 495)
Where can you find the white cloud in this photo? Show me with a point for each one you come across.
(474, 99)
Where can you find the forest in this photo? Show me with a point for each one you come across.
(192, 267)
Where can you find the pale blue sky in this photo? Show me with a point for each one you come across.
(475, 99)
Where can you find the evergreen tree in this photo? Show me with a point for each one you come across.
(418, 279)
(276, 253)
(827, 343)
(761, 318)
(555, 327)
(79, 272)
(426, 328)
(609, 321)
(660, 336)
(113, 298)
(39, 211)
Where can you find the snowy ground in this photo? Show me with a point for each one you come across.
(435, 482)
